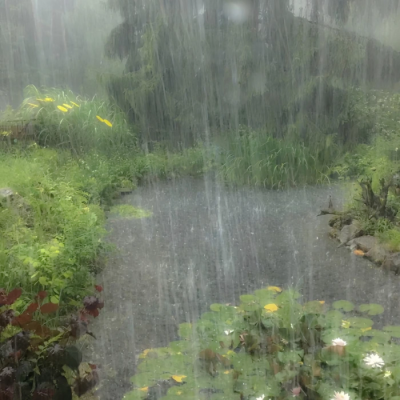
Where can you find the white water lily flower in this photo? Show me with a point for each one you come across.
(374, 361)
(339, 342)
(228, 332)
(341, 396)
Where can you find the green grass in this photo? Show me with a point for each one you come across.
(51, 233)
(258, 159)
(67, 121)
(128, 211)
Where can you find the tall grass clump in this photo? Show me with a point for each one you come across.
(67, 121)
(258, 159)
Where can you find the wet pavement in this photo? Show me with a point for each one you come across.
(206, 243)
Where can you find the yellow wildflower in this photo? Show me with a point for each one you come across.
(48, 99)
(63, 109)
(107, 122)
(67, 105)
(144, 389)
(271, 307)
(178, 378)
(99, 118)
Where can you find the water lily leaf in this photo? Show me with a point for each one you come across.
(393, 330)
(247, 298)
(378, 336)
(313, 307)
(216, 307)
(343, 305)
(185, 330)
(371, 309)
(360, 323)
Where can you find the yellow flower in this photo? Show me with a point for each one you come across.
(271, 307)
(67, 105)
(76, 105)
(274, 289)
(178, 378)
(63, 109)
(144, 354)
(33, 105)
(322, 302)
(345, 324)
(144, 389)
(99, 118)
(48, 99)
(107, 122)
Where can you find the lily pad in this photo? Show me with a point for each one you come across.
(343, 305)
(361, 323)
(185, 330)
(371, 309)
(393, 330)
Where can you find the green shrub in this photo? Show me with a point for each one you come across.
(51, 234)
(272, 346)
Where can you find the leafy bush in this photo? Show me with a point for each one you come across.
(51, 233)
(273, 347)
(37, 361)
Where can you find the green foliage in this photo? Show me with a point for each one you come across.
(38, 361)
(128, 211)
(51, 234)
(273, 346)
(256, 158)
(64, 120)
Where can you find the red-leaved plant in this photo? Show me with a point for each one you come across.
(32, 361)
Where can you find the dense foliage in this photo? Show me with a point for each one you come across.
(273, 346)
(38, 361)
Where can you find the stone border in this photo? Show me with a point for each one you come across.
(349, 233)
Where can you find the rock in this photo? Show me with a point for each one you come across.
(392, 263)
(6, 196)
(349, 232)
(378, 254)
(364, 243)
(333, 233)
(338, 221)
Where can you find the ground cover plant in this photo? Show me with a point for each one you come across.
(39, 360)
(273, 346)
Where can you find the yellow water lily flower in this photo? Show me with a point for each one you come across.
(271, 307)
(48, 99)
(107, 122)
(345, 324)
(274, 289)
(33, 105)
(322, 302)
(144, 354)
(76, 105)
(178, 378)
(144, 389)
(63, 109)
(67, 105)
(99, 118)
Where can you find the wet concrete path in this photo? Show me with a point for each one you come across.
(205, 243)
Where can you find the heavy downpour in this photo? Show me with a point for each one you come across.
(199, 199)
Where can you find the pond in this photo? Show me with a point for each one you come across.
(205, 243)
